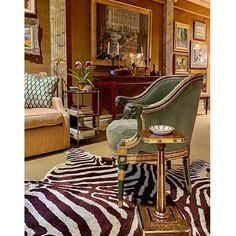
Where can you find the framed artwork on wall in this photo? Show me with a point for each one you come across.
(181, 63)
(181, 37)
(119, 29)
(30, 6)
(199, 30)
(198, 55)
(31, 36)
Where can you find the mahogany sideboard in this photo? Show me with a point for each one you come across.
(112, 86)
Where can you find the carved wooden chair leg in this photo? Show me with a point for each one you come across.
(121, 177)
(122, 163)
(186, 164)
(168, 164)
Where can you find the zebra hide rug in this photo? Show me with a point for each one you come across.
(79, 197)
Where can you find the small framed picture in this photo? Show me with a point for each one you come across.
(198, 55)
(181, 63)
(181, 37)
(31, 36)
(30, 7)
(199, 30)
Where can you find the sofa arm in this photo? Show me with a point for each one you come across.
(58, 105)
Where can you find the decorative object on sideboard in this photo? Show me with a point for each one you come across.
(198, 55)
(136, 63)
(199, 30)
(114, 57)
(181, 37)
(31, 36)
(154, 72)
(83, 74)
(116, 23)
(30, 7)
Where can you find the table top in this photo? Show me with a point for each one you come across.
(174, 137)
(204, 95)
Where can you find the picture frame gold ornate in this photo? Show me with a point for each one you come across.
(31, 41)
(30, 7)
(181, 62)
(199, 55)
(181, 37)
(118, 28)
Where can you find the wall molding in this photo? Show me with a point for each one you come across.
(203, 3)
(192, 12)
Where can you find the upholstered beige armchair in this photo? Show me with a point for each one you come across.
(47, 129)
(170, 100)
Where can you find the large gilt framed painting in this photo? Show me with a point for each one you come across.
(119, 29)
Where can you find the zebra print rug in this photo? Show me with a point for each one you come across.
(79, 197)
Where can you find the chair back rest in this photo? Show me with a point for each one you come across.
(179, 107)
(159, 89)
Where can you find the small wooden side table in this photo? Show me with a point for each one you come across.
(205, 97)
(162, 219)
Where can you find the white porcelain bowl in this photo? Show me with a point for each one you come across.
(161, 129)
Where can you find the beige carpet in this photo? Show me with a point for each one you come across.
(38, 167)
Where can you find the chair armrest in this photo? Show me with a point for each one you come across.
(132, 110)
(58, 105)
(121, 100)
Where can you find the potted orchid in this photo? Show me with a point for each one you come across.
(83, 74)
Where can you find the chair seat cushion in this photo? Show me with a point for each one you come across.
(120, 129)
(39, 117)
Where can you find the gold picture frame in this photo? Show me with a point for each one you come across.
(31, 36)
(30, 7)
(181, 37)
(118, 29)
(181, 62)
(199, 54)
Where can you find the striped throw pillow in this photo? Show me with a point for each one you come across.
(39, 92)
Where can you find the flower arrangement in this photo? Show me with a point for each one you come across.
(83, 74)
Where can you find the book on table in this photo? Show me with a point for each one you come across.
(83, 110)
(83, 132)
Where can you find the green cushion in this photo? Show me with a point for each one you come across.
(39, 92)
(120, 129)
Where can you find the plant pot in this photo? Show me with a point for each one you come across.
(81, 85)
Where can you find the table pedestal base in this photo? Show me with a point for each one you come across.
(174, 225)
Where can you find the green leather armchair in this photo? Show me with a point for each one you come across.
(170, 100)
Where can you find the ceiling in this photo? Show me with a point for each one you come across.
(204, 3)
